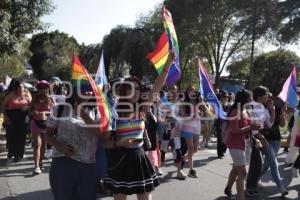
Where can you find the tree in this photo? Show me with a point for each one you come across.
(90, 56)
(112, 45)
(290, 12)
(125, 52)
(12, 66)
(273, 68)
(152, 25)
(239, 69)
(258, 18)
(52, 54)
(207, 31)
(135, 49)
(18, 18)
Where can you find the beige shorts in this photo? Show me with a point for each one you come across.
(238, 157)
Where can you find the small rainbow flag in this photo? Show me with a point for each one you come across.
(159, 56)
(167, 41)
(81, 79)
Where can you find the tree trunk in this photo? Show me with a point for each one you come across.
(250, 80)
(217, 74)
(217, 80)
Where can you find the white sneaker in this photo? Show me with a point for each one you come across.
(181, 175)
(49, 154)
(294, 172)
(158, 171)
(37, 171)
(260, 185)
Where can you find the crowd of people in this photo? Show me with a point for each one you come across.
(149, 122)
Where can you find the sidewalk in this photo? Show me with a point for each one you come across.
(17, 181)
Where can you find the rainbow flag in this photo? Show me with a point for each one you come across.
(81, 80)
(289, 90)
(166, 43)
(174, 72)
(159, 56)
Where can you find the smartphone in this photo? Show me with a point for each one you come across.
(138, 140)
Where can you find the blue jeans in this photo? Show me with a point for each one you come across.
(270, 160)
(72, 180)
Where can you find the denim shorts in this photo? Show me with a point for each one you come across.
(187, 135)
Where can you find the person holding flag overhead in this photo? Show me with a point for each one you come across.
(167, 42)
(129, 170)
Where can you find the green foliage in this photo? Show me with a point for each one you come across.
(290, 12)
(18, 18)
(90, 57)
(260, 16)
(207, 31)
(112, 45)
(203, 29)
(239, 69)
(270, 69)
(52, 54)
(273, 68)
(12, 66)
(127, 47)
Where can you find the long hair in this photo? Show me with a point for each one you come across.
(123, 93)
(15, 83)
(242, 97)
(188, 99)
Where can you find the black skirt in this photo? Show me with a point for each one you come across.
(129, 172)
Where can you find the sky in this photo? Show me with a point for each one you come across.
(89, 20)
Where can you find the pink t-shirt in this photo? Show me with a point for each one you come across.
(236, 138)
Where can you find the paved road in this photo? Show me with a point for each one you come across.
(17, 182)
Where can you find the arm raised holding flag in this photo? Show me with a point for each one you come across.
(161, 79)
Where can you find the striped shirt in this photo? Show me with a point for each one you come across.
(134, 129)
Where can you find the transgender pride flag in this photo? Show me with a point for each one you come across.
(289, 90)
